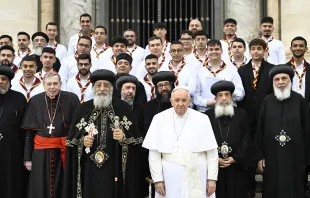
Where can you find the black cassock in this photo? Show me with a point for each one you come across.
(90, 178)
(284, 165)
(46, 177)
(12, 171)
(232, 181)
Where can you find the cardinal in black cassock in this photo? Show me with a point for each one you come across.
(92, 173)
(231, 131)
(282, 138)
(47, 121)
(12, 106)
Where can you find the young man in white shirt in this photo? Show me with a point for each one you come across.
(47, 59)
(51, 30)
(23, 42)
(238, 48)
(99, 47)
(215, 70)
(133, 50)
(275, 48)
(80, 84)
(29, 85)
(200, 51)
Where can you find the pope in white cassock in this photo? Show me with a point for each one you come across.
(183, 156)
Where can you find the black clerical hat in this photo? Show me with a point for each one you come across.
(102, 74)
(7, 71)
(278, 69)
(126, 79)
(222, 85)
(124, 56)
(163, 76)
(40, 34)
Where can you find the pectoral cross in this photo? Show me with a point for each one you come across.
(176, 146)
(51, 127)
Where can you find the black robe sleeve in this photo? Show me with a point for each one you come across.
(306, 129)
(258, 138)
(29, 145)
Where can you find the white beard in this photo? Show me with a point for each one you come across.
(102, 101)
(224, 110)
(37, 50)
(282, 95)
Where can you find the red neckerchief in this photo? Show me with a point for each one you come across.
(235, 64)
(195, 52)
(36, 83)
(146, 79)
(18, 52)
(176, 73)
(300, 77)
(229, 43)
(134, 49)
(14, 68)
(101, 51)
(221, 67)
(268, 41)
(78, 80)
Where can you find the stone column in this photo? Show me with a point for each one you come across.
(273, 10)
(247, 15)
(70, 11)
(47, 13)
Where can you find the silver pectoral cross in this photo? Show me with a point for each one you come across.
(283, 138)
(50, 127)
(176, 146)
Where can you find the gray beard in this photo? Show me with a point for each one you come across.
(37, 50)
(282, 95)
(5, 90)
(224, 110)
(102, 101)
(126, 99)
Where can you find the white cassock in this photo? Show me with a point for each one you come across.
(182, 153)
(141, 71)
(108, 61)
(74, 87)
(226, 48)
(29, 90)
(61, 51)
(149, 87)
(205, 79)
(166, 50)
(186, 76)
(276, 51)
(137, 54)
(69, 69)
(73, 43)
(20, 55)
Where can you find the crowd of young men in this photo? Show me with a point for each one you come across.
(73, 119)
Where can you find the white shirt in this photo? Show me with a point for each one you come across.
(73, 43)
(205, 80)
(237, 65)
(186, 77)
(106, 62)
(18, 75)
(276, 51)
(69, 69)
(73, 86)
(226, 54)
(295, 84)
(38, 87)
(141, 71)
(166, 50)
(99, 53)
(61, 51)
(149, 90)
(19, 56)
(137, 54)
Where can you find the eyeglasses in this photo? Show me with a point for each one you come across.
(83, 64)
(55, 84)
(161, 85)
(83, 45)
(129, 36)
(186, 39)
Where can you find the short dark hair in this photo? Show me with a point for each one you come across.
(151, 56)
(6, 36)
(101, 26)
(299, 38)
(155, 38)
(84, 57)
(29, 58)
(51, 23)
(119, 39)
(85, 15)
(24, 33)
(7, 47)
(201, 33)
(187, 32)
(259, 42)
(159, 25)
(176, 42)
(230, 20)
(213, 42)
(267, 19)
(239, 40)
(48, 50)
(87, 38)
